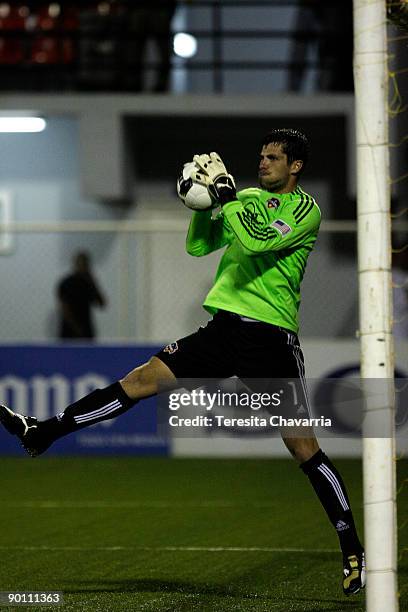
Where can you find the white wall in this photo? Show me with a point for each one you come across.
(154, 288)
(41, 173)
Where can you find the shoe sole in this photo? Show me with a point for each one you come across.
(347, 593)
(31, 451)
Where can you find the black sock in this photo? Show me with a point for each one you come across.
(331, 491)
(100, 405)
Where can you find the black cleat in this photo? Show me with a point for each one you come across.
(353, 573)
(27, 429)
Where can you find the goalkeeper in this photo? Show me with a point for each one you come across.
(268, 233)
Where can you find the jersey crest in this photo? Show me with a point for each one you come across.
(273, 203)
(171, 348)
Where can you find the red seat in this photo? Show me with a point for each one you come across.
(13, 17)
(68, 51)
(11, 51)
(70, 18)
(45, 50)
(48, 17)
(69, 23)
(50, 49)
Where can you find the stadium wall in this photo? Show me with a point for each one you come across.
(154, 288)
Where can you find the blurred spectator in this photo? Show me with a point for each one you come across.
(77, 293)
(400, 293)
(328, 25)
(149, 21)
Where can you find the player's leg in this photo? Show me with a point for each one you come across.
(301, 444)
(197, 355)
(275, 354)
(100, 405)
(148, 379)
(331, 491)
(324, 477)
(193, 355)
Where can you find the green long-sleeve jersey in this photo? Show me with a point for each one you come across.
(268, 237)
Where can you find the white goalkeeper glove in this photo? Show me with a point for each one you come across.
(212, 173)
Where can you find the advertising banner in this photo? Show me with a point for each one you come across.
(41, 380)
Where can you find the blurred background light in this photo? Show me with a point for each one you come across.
(22, 124)
(185, 45)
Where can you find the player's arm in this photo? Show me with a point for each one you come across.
(206, 234)
(289, 230)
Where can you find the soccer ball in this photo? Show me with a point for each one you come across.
(192, 194)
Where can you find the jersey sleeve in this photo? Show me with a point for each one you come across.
(206, 234)
(290, 229)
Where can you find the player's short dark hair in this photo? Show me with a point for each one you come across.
(294, 144)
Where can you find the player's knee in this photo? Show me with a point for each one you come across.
(301, 449)
(135, 382)
(146, 379)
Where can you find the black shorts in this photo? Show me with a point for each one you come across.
(264, 357)
(229, 346)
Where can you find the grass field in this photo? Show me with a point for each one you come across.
(177, 535)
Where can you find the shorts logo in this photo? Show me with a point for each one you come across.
(273, 203)
(171, 348)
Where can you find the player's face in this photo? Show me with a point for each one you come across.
(274, 172)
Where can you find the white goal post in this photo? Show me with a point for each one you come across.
(375, 297)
